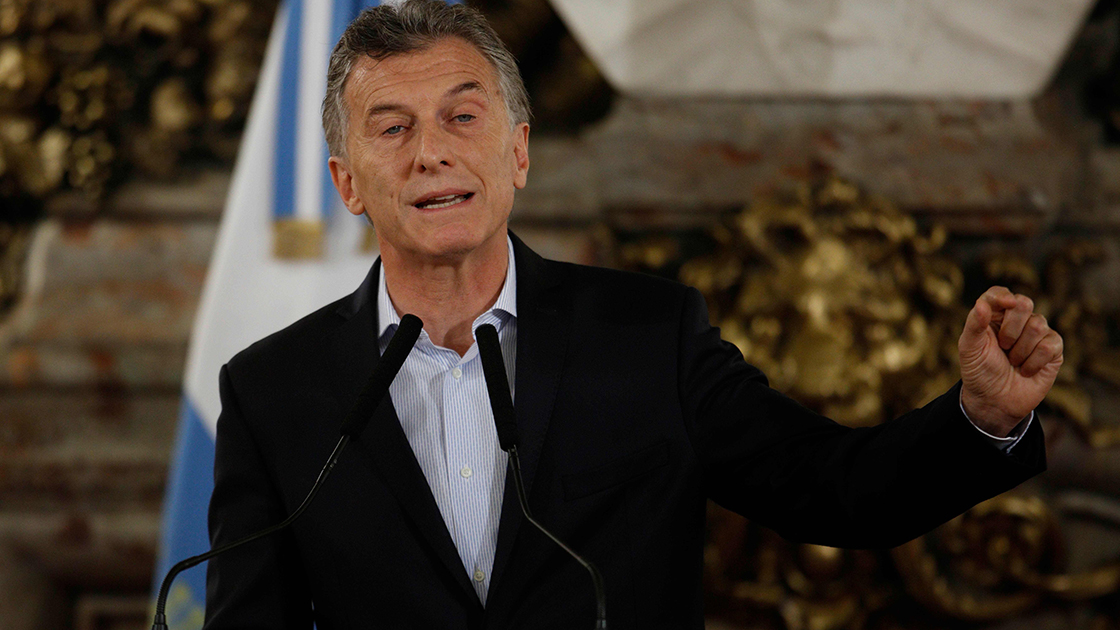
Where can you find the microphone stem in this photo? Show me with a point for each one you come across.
(596, 577)
(160, 622)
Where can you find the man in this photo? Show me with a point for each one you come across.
(630, 408)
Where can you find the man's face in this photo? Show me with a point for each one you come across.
(431, 157)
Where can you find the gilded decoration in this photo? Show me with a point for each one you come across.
(94, 92)
(853, 310)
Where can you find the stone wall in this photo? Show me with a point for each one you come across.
(91, 359)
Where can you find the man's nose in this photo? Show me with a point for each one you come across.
(433, 151)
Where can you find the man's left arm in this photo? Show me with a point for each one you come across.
(1009, 360)
(776, 462)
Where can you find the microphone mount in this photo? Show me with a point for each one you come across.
(501, 402)
(377, 386)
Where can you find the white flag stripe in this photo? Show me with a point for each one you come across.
(248, 293)
(315, 47)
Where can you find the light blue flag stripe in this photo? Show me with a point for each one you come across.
(184, 534)
(343, 12)
(284, 163)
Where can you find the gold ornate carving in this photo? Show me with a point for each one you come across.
(90, 91)
(762, 581)
(94, 91)
(836, 296)
(1000, 558)
(981, 547)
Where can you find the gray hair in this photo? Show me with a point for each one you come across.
(387, 30)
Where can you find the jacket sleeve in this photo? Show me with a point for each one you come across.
(262, 584)
(812, 480)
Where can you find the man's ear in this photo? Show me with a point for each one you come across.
(521, 154)
(344, 184)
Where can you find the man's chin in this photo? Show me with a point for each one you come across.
(452, 247)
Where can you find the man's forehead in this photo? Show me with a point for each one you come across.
(452, 65)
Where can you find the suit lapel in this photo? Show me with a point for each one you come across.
(383, 443)
(543, 323)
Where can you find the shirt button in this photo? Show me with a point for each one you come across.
(479, 575)
(466, 472)
(457, 373)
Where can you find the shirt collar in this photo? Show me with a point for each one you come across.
(505, 305)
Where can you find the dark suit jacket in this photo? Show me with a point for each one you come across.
(632, 412)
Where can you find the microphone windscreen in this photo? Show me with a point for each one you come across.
(497, 385)
(382, 376)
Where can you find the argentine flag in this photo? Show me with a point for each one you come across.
(286, 246)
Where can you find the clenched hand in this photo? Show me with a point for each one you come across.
(1009, 359)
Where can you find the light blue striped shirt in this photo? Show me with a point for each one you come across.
(444, 409)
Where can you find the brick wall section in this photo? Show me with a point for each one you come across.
(91, 360)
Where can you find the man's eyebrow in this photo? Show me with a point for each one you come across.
(383, 108)
(466, 86)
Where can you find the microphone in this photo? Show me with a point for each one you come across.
(382, 376)
(497, 386)
(377, 385)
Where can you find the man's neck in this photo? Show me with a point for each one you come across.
(448, 296)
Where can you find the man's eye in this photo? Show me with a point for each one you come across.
(394, 130)
(465, 118)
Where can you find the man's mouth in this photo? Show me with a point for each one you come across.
(435, 203)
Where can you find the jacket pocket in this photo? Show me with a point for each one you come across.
(624, 469)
